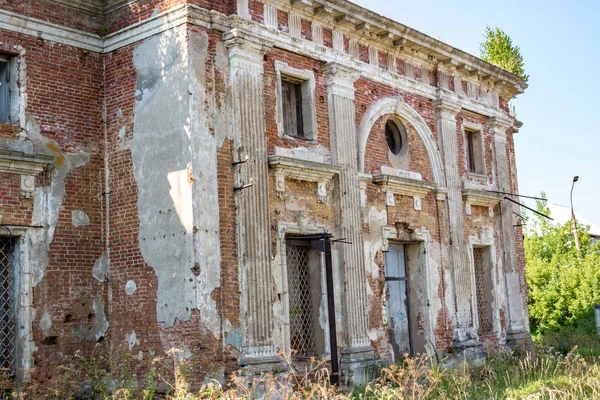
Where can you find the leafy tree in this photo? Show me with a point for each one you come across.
(499, 50)
(563, 286)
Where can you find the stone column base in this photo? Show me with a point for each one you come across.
(359, 365)
(467, 351)
(259, 386)
(520, 342)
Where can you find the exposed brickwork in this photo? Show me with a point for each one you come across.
(302, 63)
(55, 13)
(64, 87)
(68, 92)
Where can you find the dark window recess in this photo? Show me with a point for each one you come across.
(4, 91)
(470, 152)
(291, 92)
(394, 136)
(474, 150)
(8, 327)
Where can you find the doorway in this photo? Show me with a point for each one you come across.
(404, 294)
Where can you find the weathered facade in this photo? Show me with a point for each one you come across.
(242, 179)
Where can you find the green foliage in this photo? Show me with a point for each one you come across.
(499, 50)
(563, 285)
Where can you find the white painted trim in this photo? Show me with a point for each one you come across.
(309, 108)
(302, 226)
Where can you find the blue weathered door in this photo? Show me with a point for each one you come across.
(396, 303)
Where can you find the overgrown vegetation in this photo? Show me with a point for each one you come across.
(548, 375)
(563, 284)
(499, 50)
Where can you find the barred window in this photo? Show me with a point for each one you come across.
(307, 337)
(483, 288)
(8, 303)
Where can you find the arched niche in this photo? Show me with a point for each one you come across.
(396, 106)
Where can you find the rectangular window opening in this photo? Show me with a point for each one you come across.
(8, 303)
(474, 149)
(291, 91)
(4, 90)
(307, 337)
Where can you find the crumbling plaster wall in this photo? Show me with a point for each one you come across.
(176, 137)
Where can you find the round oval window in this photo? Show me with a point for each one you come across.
(394, 135)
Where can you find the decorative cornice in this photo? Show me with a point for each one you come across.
(481, 198)
(46, 30)
(302, 170)
(377, 36)
(392, 185)
(17, 162)
(404, 186)
(498, 126)
(446, 104)
(25, 164)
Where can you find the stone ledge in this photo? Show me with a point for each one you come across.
(405, 186)
(24, 164)
(483, 198)
(302, 170)
(18, 162)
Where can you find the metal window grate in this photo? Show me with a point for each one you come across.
(302, 329)
(483, 306)
(7, 304)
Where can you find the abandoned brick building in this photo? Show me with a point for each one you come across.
(242, 178)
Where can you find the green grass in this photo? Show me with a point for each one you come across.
(558, 372)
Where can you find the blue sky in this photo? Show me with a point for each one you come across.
(560, 43)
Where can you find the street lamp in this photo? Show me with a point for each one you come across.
(574, 221)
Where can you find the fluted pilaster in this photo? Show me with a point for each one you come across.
(342, 128)
(445, 114)
(251, 197)
(517, 316)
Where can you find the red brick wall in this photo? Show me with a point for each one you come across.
(64, 91)
(376, 154)
(298, 62)
(55, 13)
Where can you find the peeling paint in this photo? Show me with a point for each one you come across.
(232, 336)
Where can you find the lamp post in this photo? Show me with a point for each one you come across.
(574, 221)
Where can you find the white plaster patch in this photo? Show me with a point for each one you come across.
(130, 287)
(100, 270)
(131, 340)
(373, 240)
(97, 329)
(46, 322)
(79, 218)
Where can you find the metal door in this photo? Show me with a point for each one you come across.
(396, 300)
